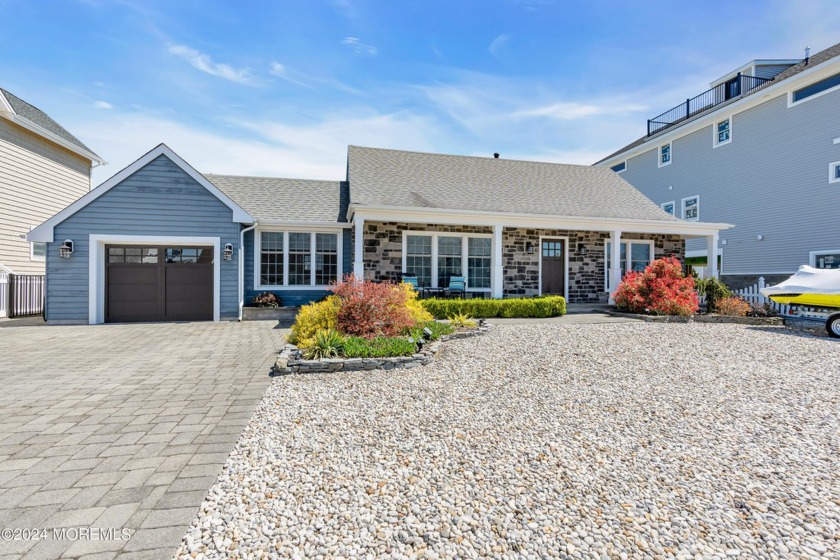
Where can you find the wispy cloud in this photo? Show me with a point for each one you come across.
(308, 81)
(568, 111)
(103, 105)
(206, 64)
(358, 47)
(498, 45)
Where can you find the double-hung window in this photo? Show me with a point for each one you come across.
(640, 253)
(450, 259)
(723, 132)
(294, 258)
(478, 269)
(691, 209)
(433, 258)
(271, 258)
(834, 172)
(665, 155)
(418, 258)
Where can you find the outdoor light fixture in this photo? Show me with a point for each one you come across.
(66, 249)
(427, 332)
(228, 252)
(529, 247)
(759, 237)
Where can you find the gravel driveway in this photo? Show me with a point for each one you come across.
(588, 441)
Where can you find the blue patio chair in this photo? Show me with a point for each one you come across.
(457, 286)
(414, 283)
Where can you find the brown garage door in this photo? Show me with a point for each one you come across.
(158, 283)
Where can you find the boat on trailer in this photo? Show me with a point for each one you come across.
(814, 294)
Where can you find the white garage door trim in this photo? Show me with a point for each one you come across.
(96, 265)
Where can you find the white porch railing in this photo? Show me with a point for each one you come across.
(752, 294)
(4, 295)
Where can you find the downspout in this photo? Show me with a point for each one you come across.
(242, 267)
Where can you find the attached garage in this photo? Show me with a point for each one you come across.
(156, 242)
(144, 283)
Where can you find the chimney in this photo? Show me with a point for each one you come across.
(807, 54)
(496, 155)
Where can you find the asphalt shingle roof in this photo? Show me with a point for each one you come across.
(287, 200)
(36, 116)
(380, 177)
(819, 58)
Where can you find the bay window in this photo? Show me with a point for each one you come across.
(297, 259)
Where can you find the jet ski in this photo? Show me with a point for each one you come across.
(814, 287)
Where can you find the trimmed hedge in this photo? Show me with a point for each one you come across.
(545, 306)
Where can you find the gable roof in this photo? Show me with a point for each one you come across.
(37, 121)
(45, 232)
(393, 178)
(273, 199)
(819, 58)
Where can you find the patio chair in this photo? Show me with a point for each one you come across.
(414, 283)
(457, 286)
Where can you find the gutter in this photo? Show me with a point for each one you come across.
(241, 287)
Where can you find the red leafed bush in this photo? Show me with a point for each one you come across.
(372, 310)
(661, 289)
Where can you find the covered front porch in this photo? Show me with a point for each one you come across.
(510, 256)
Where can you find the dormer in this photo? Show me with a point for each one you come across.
(766, 68)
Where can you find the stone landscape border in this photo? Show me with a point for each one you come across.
(700, 319)
(291, 361)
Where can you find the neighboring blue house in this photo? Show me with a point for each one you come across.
(160, 241)
(761, 150)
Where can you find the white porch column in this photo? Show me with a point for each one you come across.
(615, 262)
(711, 255)
(359, 249)
(498, 269)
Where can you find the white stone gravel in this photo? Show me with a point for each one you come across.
(581, 441)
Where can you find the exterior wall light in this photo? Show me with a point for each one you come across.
(228, 252)
(66, 249)
(759, 237)
(529, 248)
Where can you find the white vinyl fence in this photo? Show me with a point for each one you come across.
(4, 295)
(752, 294)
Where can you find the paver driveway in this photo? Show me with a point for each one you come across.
(121, 427)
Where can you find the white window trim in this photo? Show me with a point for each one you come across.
(32, 256)
(812, 255)
(831, 174)
(659, 154)
(285, 230)
(565, 263)
(464, 254)
(626, 242)
(619, 163)
(671, 202)
(715, 142)
(792, 103)
(682, 209)
(96, 266)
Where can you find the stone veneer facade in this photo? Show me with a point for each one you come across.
(586, 249)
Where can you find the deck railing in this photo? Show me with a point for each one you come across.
(721, 93)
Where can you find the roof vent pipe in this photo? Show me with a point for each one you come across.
(807, 54)
(496, 155)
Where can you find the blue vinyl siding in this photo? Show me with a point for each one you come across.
(291, 298)
(771, 180)
(161, 200)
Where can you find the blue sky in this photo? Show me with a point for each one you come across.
(282, 87)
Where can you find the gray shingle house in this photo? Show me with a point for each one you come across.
(761, 150)
(160, 241)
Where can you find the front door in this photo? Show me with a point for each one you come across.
(553, 255)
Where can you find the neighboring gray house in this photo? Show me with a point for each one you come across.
(760, 150)
(160, 241)
(43, 168)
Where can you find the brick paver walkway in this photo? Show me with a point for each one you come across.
(121, 427)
